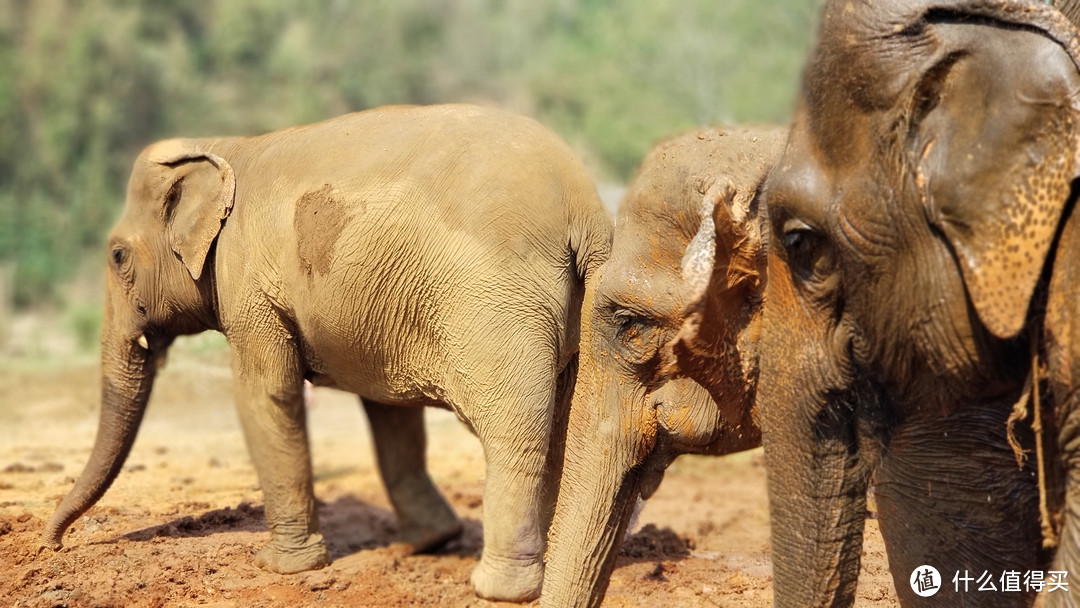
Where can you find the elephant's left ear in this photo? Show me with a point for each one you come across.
(993, 135)
(723, 255)
(199, 200)
(721, 269)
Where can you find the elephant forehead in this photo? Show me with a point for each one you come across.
(652, 224)
(867, 55)
(656, 236)
(864, 46)
(665, 251)
(640, 286)
(647, 244)
(801, 185)
(148, 185)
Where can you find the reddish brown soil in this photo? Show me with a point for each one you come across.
(180, 525)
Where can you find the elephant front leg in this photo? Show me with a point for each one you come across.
(425, 521)
(512, 566)
(269, 397)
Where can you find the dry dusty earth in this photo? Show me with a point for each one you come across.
(180, 525)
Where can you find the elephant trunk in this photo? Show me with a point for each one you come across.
(807, 408)
(597, 494)
(817, 503)
(599, 485)
(128, 370)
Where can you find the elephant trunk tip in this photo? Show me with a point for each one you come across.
(52, 537)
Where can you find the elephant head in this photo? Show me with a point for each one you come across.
(157, 287)
(915, 214)
(631, 415)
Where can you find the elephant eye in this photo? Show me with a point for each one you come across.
(633, 328)
(118, 255)
(120, 261)
(799, 244)
(808, 252)
(625, 321)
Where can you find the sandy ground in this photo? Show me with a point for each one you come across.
(180, 525)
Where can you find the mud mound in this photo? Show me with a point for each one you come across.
(657, 543)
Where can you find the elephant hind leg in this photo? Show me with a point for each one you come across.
(425, 520)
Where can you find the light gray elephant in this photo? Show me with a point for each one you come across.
(630, 417)
(415, 256)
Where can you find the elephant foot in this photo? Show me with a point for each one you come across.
(508, 581)
(312, 555)
(420, 539)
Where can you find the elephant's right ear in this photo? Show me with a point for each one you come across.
(993, 136)
(199, 200)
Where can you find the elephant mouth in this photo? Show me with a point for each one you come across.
(156, 345)
(687, 418)
(319, 379)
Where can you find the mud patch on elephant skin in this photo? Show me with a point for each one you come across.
(318, 221)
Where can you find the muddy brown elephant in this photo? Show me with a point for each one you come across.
(630, 418)
(921, 302)
(414, 256)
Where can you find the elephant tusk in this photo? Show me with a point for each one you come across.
(142, 342)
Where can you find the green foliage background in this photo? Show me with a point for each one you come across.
(84, 85)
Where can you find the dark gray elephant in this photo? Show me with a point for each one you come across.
(630, 417)
(921, 303)
(414, 256)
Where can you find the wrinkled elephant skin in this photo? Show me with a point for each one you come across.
(921, 259)
(410, 255)
(631, 415)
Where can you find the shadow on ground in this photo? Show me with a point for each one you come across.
(348, 524)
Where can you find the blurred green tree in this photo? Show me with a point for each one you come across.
(85, 84)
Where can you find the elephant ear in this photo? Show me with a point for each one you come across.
(728, 240)
(1069, 8)
(198, 201)
(993, 136)
(697, 261)
(721, 272)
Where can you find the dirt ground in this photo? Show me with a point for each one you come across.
(180, 524)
